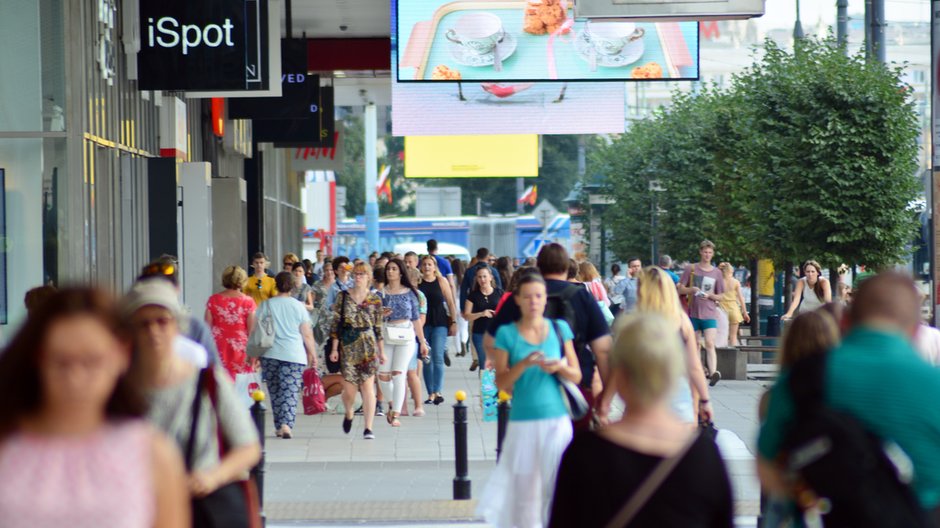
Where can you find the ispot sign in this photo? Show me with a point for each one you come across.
(204, 45)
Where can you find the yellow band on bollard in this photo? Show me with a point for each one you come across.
(503, 397)
(258, 396)
(460, 395)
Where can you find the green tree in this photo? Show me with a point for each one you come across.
(809, 154)
(679, 150)
(831, 141)
(353, 175)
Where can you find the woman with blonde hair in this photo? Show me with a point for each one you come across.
(732, 302)
(357, 326)
(603, 471)
(588, 274)
(231, 316)
(657, 294)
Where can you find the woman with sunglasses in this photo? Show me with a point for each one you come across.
(74, 449)
(357, 345)
(260, 286)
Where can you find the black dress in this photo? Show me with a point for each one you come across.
(598, 477)
(437, 316)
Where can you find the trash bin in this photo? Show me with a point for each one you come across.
(773, 325)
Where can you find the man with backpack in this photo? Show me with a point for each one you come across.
(574, 304)
(828, 421)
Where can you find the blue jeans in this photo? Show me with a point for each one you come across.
(478, 346)
(434, 371)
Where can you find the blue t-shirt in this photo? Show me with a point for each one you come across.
(536, 395)
(443, 266)
(289, 314)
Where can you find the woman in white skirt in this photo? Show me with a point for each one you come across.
(527, 355)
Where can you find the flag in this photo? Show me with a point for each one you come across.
(530, 196)
(384, 186)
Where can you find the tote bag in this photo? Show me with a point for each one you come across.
(262, 335)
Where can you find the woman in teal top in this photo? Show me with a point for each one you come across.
(528, 355)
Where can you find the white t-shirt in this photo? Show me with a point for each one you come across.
(191, 351)
(927, 344)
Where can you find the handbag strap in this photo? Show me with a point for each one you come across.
(197, 408)
(207, 380)
(649, 486)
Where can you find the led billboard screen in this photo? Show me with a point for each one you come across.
(499, 156)
(507, 107)
(529, 40)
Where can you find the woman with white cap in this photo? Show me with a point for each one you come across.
(197, 408)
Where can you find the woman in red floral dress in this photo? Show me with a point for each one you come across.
(231, 315)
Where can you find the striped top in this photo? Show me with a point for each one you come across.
(877, 377)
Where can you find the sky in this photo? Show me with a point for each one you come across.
(782, 13)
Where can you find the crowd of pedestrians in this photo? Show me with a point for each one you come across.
(150, 391)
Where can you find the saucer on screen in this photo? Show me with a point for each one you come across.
(628, 55)
(468, 57)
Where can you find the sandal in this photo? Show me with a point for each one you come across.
(394, 422)
(390, 417)
(418, 413)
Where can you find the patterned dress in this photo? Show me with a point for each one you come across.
(230, 330)
(359, 337)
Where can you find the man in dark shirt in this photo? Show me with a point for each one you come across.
(483, 256)
(590, 326)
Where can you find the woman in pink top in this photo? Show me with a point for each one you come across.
(231, 315)
(74, 450)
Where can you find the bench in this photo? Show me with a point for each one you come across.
(758, 354)
(732, 363)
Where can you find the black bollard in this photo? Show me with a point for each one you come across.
(257, 473)
(462, 480)
(502, 420)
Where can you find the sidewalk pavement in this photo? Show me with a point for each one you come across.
(405, 475)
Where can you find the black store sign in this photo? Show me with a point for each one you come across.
(314, 131)
(203, 45)
(299, 92)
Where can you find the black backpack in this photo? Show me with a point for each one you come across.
(559, 306)
(842, 462)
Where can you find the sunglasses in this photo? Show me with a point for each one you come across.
(161, 268)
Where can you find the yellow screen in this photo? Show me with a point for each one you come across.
(501, 156)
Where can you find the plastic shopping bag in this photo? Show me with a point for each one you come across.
(245, 385)
(489, 392)
(314, 396)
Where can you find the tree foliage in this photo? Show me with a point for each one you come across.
(808, 154)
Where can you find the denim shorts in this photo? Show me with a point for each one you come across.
(703, 324)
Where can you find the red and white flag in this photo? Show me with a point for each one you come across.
(384, 186)
(530, 196)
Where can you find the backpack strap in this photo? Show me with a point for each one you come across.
(570, 291)
(807, 382)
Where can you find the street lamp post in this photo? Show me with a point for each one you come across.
(798, 26)
(655, 187)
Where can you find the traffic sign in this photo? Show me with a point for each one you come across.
(545, 212)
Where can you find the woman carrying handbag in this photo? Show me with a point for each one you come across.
(197, 408)
(527, 357)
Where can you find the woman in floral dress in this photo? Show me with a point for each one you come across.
(231, 316)
(357, 345)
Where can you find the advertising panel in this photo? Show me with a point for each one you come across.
(535, 40)
(502, 156)
(685, 10)
(511, 108)
(298, 89)
(326, 114)
(219, 45)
